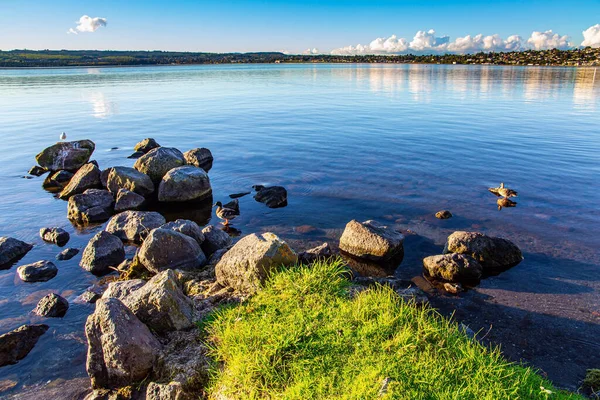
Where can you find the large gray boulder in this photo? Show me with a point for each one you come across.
(102, 252)
(161, 304)
(453, 267)
(66, 155)
(187, 227)
(250, 261)
(94, 205)
(16, 344)
(146, 145)
(121, 289)
(129, 179)
(87, 177)
(58, 236)
(40, 271)
(186, 183)
(494, 254)
(371, 241)
(52, 306)
(121, 349)
(167, 249)
(199, 157)
(134, 226)
(127, 200)
(157, 162)
(214, 239)
(12, 249)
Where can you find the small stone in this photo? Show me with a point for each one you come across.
(321, 252)
(36, 170)
(146, 145)
(453, 267)
(136, 154)
(444, 214)
(453, 288)
(16, 344)
(372, 241)
(127, 200)
(214, 239)
(12, 249)
(58, 236)
(102, 252)
(200, 157)
(40, 271)
(272, 197)
(52, 306)
(67, 254)
(87, 177)
(89, 297)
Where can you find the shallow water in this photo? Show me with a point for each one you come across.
(385, 142)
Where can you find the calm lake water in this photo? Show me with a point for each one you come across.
(384, 142)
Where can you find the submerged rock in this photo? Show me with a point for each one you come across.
(199, 157)
(67, 254)
(186, 183)
(52, 306)
(12, 250)
(157, 162)
(127, 200)
(453, 267)
(121, 349)
(16, 344)
(250, 261)
(134, 226)
(36, 170)
(66, 155)
(187, 227)
(167, 249)
(494, 254)
(321, 252)
(58, 236)
(102, 252)
(146, 145)
(272, 197)
(87, 177)
(40, 271)
(371, 241)
(444, 214)
(161, 304)
(130, 179)
(214, 240)
(94, 205)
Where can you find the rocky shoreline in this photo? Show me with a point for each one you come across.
(142, 337)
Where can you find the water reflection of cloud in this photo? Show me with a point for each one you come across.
(586, 88)
(93, 71)
(101, 106)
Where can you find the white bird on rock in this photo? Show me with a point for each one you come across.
(63, 136)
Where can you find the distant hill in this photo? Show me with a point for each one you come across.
(71, 58)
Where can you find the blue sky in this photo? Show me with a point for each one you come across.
(295, 26)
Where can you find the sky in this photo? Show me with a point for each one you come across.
(326, 26)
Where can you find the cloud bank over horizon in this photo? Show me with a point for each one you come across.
(425, 42)
(88, 24)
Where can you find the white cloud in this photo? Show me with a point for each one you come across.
(389, 45)
(88, 24)
(427, 41)
(548, 40)
(591, 36)
(311, 51)
(477, 43)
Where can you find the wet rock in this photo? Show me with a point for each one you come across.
(16, 344)
(121, 289)
(130, 179)
(12, 250)
(494, 254)
(104, 177)
(453, 267)
(57, 181)
(187, 227)
(200, 157)
(36, 170)
(52, 306)
(87, 177)
(58, 236)
(444, 214)
(167, 249)
(94, 205)
(238, 195)
(134, 226)
(321, 252)
(102, 252)
(372, 241)
(136, 154)
(161, 304)
(249, 262)
(67, 254)
(186, 183)
(40, 271)
(272, 197)
(146, 145)
(157, 162)
(66, 155)
(127, 200)
(121, 349)
(214, 239)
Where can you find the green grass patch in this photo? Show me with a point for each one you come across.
(304, 337)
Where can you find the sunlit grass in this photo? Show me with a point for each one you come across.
(303, 337)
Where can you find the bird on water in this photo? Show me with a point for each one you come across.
(228, 211)
(503, 191)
